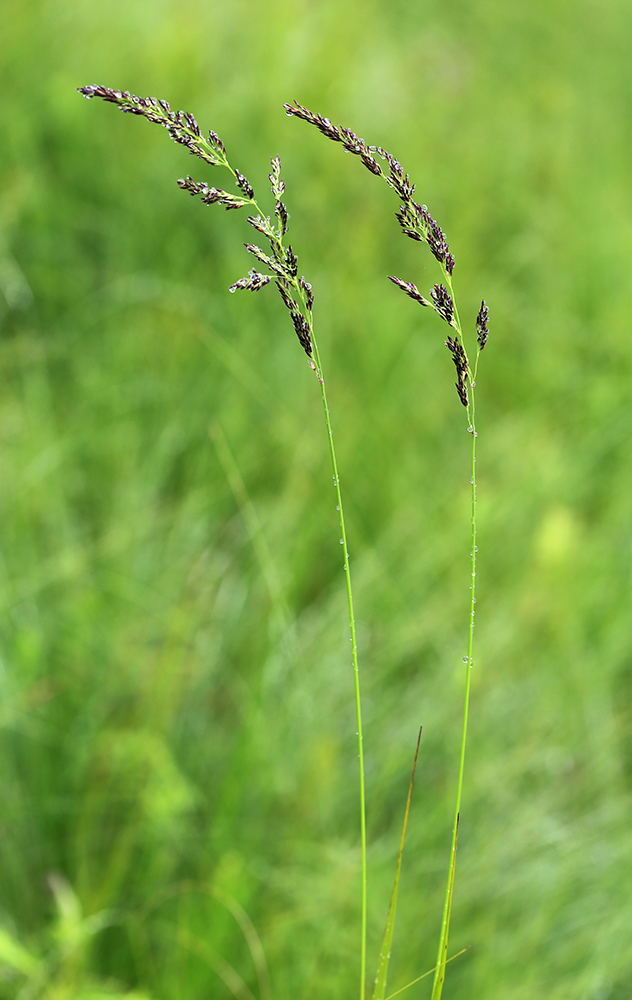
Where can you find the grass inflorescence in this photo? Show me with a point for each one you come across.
(417, 223)
(281, 265)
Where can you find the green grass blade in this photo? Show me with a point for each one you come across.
(425, 975)
(385, 951)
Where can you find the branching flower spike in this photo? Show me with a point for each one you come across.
(297, 296)
(416, 222)
(281, 262)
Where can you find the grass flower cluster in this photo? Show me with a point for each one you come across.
(281, 267)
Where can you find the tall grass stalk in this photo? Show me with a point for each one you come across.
(298, 298)
(417, 223)
(282, 265)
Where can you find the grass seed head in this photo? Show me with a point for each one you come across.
(181, 126)
(482, 325)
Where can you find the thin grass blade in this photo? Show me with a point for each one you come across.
(425, 975)
(385, 950)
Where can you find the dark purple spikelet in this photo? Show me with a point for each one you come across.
(322, 124)
(307, 289)
(279, 253)
(437, 241)
(302, 331)
(252, 283)
(482, 325)
(410, 218)
(212, 195)
(282, 215)
(351, 142)
(291, 262)
(461, 388)
(243, 185)
(284, 291)
(262, 225)
(371, 163)
(410, 289)
(274, 265)
(278, 185)
(397, 179)
(458, 354)
(460, 363)
(442, 301)
(216, 142)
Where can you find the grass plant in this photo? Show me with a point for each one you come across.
(416, 222)
(297, 295)
(161, 725)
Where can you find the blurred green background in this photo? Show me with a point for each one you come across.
(178, 738)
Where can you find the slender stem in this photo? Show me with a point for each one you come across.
(354, 657)
(447, 907)
(316, 364)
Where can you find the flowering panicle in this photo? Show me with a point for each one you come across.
(350, 141)
(417, 223)
(181, 126)
(282, 263)
(414, 219)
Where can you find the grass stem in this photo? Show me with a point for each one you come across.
(356, 672)
(439, 978)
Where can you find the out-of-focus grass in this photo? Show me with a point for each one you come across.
(163, 732)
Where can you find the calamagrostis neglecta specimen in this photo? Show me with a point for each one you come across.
(282, 265)
(417, 223)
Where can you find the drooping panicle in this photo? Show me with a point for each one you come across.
(482, 325)
(181, 126)
(415, 220)
(460, 363)
(351, 142)
(410, 289)
(252, 283)
(442, 301)
(281, 261)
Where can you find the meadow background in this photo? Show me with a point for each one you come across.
(177, 729)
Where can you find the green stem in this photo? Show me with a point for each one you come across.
(354, 656)
(316, 364)
(447, 906)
